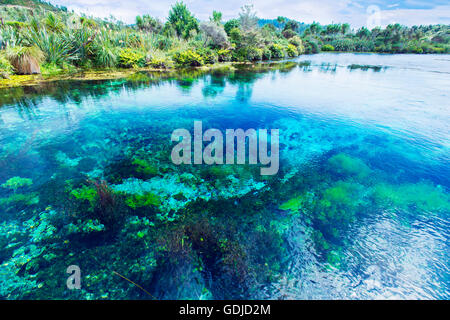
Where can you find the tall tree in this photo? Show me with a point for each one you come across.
(182, 20)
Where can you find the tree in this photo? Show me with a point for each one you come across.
(247, 18)
(292, 25)
(182, 20)
(345, 28)
(216, 17)
(230, 25)
(215, 34)
(148, 23)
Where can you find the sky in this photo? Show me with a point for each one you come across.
(356, 12)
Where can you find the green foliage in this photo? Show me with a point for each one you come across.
(188, 58)
(6, 67)
(209, 56)
(149, 24)
(216, 17)
(327, 47)
(131, 58)
(224, 55)
(159, 60)
(86, 193)
(267, 54)
(145, 168)
(230, 25)
(291, 51)
(343, 164)
(249, 54)
(423, 196)
(182, 20)
(311, 45)
(56, 48)
(25, 60)
(142, 200)
(277, 51)
(16, 183)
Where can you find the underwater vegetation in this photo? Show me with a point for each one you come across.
(95, 187)
(19, 183)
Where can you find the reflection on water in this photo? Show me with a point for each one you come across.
(359, 209)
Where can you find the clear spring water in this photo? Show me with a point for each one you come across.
(359, 209)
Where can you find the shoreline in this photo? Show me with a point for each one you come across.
(15, 81)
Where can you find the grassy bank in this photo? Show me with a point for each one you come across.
(41, 38)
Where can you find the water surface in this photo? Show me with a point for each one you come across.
(359, 209)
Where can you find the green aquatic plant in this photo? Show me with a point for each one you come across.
(344, 164)
(19, 198)
(423, 196)
(17, 182)
(142, 200)
(145, 168)
(294, 204)
(86, 193)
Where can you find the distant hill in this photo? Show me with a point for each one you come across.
(32, 4)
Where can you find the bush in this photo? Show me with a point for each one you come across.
(254, 54)
(105, 55)
(131, 58)
(267, 54)
(292, 51)
(224, 55)
(311, 46)
(289, 33)
(327, 47)
(159, 60)
(56, 48)
(25, 60)
(216, 34)
(296, 41)
(343, 45)
(208, 56)
(5, 67)
(277, 51)
(188, 58)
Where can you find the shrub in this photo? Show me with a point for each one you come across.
(208, 56)
(25, 60)
(230, 25)
(131, 58)
(289, 33)
(267, 54)
(327, 47)
(291, 51)
(216, 34)
(105, 56)
(277, 51)
(311, 46)
(159, 60)
(188, 58)
(224, 55)
(5, 67)
(343, 45)
(296, 41)
(254, 54)
(56, 48)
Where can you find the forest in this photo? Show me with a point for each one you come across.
(37, 37)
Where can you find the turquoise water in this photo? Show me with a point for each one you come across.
(358, 210)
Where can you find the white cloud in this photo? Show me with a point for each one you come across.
(325, 11)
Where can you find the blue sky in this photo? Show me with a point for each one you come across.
(356, 12)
